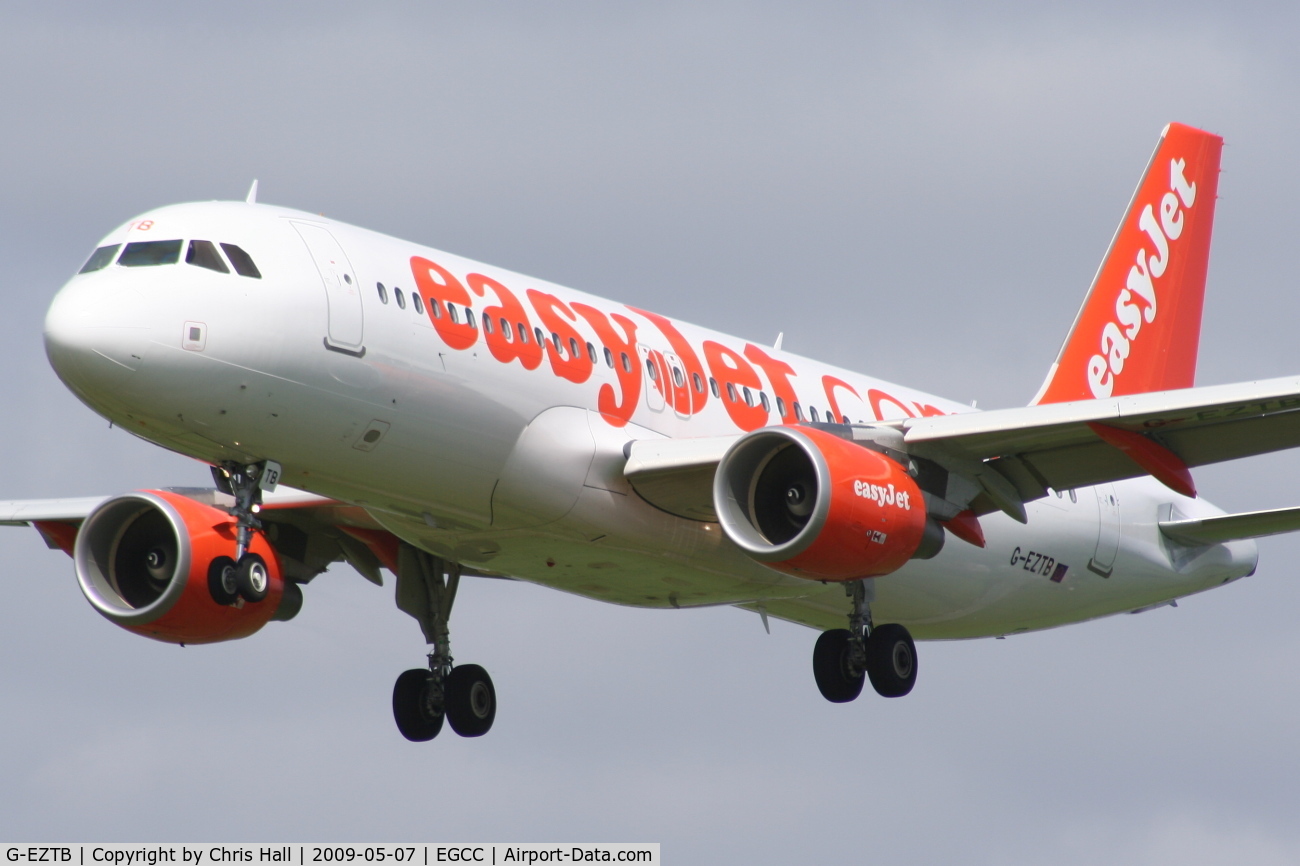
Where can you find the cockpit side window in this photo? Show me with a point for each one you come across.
(241, 261)
(204, 254)
(145, 253)
(100, 258)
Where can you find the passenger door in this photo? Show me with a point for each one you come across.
(342, 294)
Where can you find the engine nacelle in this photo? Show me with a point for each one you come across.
(142, 561)
(808, 503)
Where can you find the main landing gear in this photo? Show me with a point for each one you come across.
(461, 694)
(843, 658)
(244, 578)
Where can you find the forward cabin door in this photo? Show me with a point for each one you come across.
(342, 292)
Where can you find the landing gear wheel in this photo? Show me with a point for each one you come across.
(891, 660)
(471, 701)
(838, 678)
(414, 709)
(221, 580)
(252, 577)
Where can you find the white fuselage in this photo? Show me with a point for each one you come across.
(508, 458)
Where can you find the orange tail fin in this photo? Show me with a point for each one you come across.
(1140, 327)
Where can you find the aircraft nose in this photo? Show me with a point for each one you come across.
(96, 334)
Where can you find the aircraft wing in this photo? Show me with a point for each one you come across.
(1059, 446)
(310, 529)
(24, 512)
(1011, 456)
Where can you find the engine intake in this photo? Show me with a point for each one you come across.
(814, 505)
(142, 561)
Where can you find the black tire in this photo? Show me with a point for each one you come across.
(416, 716)
(252, 577)
(837, 679)
(221, 580)
(891, 660)
(471, 701)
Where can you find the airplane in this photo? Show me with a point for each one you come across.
(368, 400)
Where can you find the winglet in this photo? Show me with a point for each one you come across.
(252, 193)
(1140, 326)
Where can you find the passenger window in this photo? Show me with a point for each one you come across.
(555, 338)
(780, 407)
(453, 314)
(591, 352)
(401, 302)
(242, 262)
(749, 397)
(574, 351)
(100, 258)
(609, 358)
(798, 411)
(435, 307)
(487, 323)
(383, 293)
(627, 362)
(699, 383)
(145, 253)
(204, 255)
(762, 398)
(679, 378)
(471, 319)
(523, 332)
(505, 330)
(713, 386)
(731, 392)
(541, 338)
(812, 410)
(653, 369)
(418, 303)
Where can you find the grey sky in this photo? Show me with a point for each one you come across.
(915, 191)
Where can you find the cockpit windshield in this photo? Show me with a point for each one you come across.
(144, 253)
(242, 262)
(100, 258)
(204, 254)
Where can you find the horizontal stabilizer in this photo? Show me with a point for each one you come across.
(1232, 527)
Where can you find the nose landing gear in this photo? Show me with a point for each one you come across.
(844, 658)
(246, 576)
(463, 695)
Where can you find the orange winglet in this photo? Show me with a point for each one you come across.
(966, 526)
(1159, 462)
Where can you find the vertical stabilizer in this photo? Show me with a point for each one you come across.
(1140, 327)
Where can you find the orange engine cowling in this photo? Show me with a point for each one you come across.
(142, 561)
(814, 505)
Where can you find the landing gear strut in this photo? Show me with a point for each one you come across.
(422, 699)
(844, 658)
(245, 576)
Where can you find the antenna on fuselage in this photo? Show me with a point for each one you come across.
(779, 338)
(252, 193)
